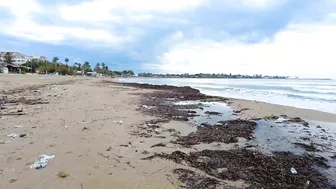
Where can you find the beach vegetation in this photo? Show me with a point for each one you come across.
(271, 117)
(171, 130)
(46, 67)
(63, 175)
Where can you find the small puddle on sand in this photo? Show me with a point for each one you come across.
(224, 110)
(272, 136)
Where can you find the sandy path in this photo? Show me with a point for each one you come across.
(56, 128)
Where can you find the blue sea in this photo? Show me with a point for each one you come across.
(310, 94)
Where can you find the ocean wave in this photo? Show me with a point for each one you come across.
(264, 88)
(310, 98)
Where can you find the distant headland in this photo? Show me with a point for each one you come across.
(207, 75)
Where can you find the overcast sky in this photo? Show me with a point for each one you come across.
(275, 37)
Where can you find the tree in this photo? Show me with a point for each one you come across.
(130, 72)
(118, 73)
(124, 72)
(127, 73)
(55, 59)
(86, 67)
(78, 65)
(8, 57)
(66, 61)
(104, 68)
(97, 68)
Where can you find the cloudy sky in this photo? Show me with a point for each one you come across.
(275, 37)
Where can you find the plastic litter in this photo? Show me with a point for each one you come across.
(42, 162)
(120, 122)
(145, 106)
(13, 135)
(157, 130)
(18, 126)
(293, 171)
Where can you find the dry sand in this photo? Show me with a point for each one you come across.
(57, 128)
(79, 127)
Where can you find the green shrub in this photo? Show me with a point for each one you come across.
(271, 117)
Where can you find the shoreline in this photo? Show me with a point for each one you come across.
(258, 109)
(106, 133)
(261, 142)
(290, 94)
(261, 109)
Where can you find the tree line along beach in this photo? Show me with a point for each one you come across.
(108, 134)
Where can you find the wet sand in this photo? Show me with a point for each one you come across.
(78, 120)
(260, 109)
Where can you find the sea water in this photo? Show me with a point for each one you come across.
(310, 94)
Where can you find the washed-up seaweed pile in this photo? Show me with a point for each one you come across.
(162, 100)
(256, 169)
(194, 180)
(226, 132)
(10, 100)
(183, 93)
(21, 100)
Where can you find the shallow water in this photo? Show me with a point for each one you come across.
(225, 110)
(272, 136)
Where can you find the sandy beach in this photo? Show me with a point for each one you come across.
(261, 109)
(99, 131)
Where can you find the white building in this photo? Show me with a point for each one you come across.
(17, 58)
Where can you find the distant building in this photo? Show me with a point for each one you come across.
(43, 58)
(94, 74)
(39, 58)
(19, 58)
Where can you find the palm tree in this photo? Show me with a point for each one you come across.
(55, 59)
(103, 68)
(66, 61)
